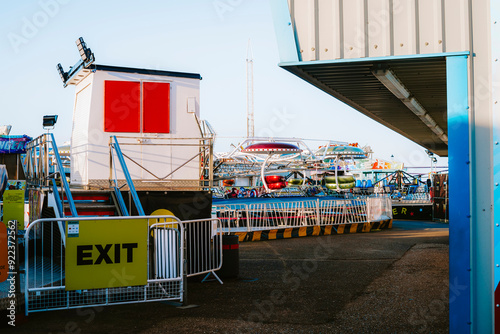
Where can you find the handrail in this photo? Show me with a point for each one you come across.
(64, 182)
(130, 183)
(38, 170)
(59, 203)
(121, 202)
(203, 159)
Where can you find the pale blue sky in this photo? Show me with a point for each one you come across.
(202, 36)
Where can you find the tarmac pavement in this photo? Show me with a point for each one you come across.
(390, 281)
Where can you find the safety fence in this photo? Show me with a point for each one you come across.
(43, 166)
(203, 246)
(190, 168)
(96, 261)
(415, 198)
(287, 214)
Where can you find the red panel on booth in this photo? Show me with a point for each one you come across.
(122, 106)
(156, 107)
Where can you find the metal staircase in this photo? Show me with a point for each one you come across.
(45, 171)
(93, 203)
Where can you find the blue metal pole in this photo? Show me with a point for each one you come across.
(459, 193)
(64, 182)
(121, 202)
(130, 183)
(59, 203)
(495, 91)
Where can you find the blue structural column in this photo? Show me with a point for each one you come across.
(460, 194)
(495, 74)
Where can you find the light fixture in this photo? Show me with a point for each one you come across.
(437, 130)
(85, 52)
(429, 121)
(414, 106)
(5, 130)
(77, 72)
(392, 83)
(49, 121)
(444, 138)
(62, 74)
(389, 79)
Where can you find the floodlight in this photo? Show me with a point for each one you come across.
(85, 52)
(49, 121)
(5, 130)
(62, 74)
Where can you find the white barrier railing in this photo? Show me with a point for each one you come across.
(379, 208)
(167, 251)
(415, 198)
(349, 211)
(203, 246)
(175, 250)
(313, 212)
(263, 216)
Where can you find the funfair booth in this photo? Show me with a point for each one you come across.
(140, 128)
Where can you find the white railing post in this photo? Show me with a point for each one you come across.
(249, 220)
(318, 222)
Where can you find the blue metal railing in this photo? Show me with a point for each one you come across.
(57, 198)
(38, 172)
(114, 145)
(64, 182)
(121, 202)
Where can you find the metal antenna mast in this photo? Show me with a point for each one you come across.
(250, 118)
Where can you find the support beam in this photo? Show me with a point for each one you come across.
(482, 164)
(495, 91)
(460, 194)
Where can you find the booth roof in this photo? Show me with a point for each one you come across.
(121, 69)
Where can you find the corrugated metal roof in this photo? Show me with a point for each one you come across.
(355, 84)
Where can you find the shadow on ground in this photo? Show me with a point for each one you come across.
(380, 282)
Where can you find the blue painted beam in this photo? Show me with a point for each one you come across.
(371, 59)
(460, 194)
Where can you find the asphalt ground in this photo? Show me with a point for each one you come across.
(389, 281)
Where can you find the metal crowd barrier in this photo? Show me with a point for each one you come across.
(275, 215)
(203, 246)
(169, 243)
(167, 251)
(415, 198)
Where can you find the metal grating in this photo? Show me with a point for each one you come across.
(43, 300)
